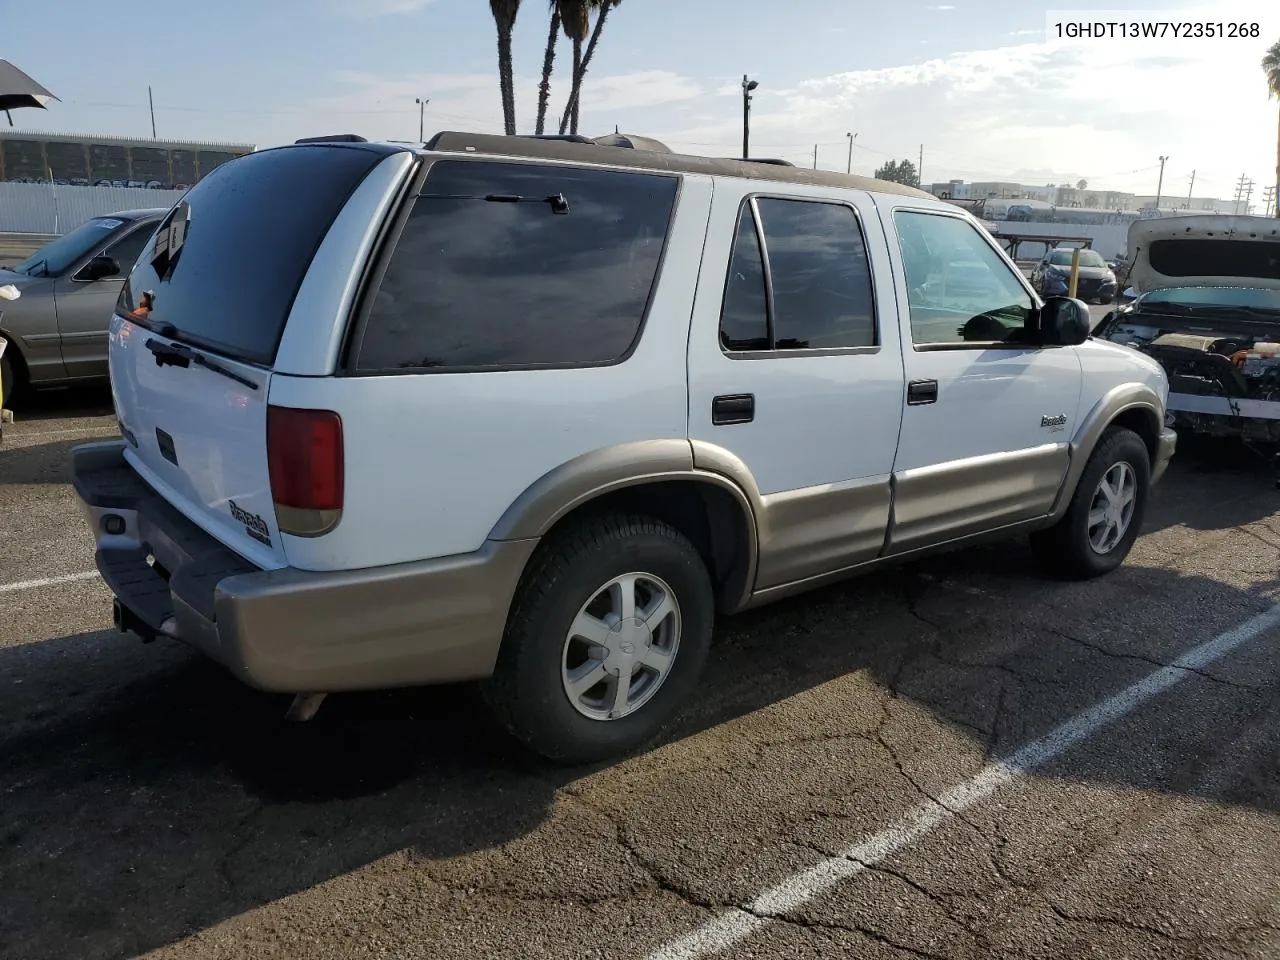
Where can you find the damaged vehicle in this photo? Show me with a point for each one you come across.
(1208, 309)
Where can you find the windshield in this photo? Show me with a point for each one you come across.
(1088, 258)
(55, 257)
(1252, 298)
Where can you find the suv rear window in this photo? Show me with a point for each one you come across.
(515, 265)
(243, 238)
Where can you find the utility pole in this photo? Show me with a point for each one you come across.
(1248, 195)
(1239, 192)
(849, 167)
(1268, 198)
(815, 156)
(747, 87)
(1160, 183)
(422, 105)
(1190, 188)
(152, 102)
(920, 166)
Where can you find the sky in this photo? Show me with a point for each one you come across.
(976, 83)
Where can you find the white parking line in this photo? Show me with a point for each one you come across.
(47, 581)
(734, 925)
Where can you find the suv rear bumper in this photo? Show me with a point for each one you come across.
(287, 630)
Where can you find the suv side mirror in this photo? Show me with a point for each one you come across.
(1063, 322)
(99, 268)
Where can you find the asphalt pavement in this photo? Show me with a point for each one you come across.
(955, 759)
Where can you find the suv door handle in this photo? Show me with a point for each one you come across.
(922, 391)
(733, 408)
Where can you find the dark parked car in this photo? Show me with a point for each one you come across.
(67, 290)
(1097, 281)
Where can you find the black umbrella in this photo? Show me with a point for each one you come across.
(18, 90)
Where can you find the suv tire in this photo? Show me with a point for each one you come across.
(1077, 549)
(579, 578)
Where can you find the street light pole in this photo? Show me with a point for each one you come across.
(849, 167)
(422, 105)
(1160, 184)
(747, 87)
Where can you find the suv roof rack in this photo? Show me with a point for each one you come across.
(774, 160)
(562, 137)
(544, 148)
(334, 138)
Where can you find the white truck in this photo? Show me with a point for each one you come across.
(533, 412)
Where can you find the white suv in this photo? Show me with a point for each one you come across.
(532, 412)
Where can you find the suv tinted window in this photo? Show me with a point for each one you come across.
(252, 227)
(744, 318)
(958, 289)
(818, 293)
(492, 271)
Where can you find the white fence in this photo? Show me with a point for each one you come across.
(49, 209)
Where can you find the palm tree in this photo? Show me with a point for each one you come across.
(575, 18)
(504, 17)
(548, 65)
(1271, 67)
(602, 8)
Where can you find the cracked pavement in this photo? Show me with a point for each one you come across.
(150, 806)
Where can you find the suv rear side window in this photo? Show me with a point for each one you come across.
(506, 265)
(251, 229)
(817, 293)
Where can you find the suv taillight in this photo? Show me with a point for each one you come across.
(305, 462)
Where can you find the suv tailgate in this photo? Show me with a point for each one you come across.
(199, 323)
(198, 438)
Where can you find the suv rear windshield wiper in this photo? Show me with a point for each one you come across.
(180, 355)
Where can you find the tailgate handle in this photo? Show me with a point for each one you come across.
(733, 408)
(922, 391)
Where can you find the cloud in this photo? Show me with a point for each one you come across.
(1103, 111)
(383, 107)
(368, 9)
(941, 6)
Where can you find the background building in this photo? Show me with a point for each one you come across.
(1066, 196)
(93, 160)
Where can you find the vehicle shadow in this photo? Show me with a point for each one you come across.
(168, 797)
(64, 403)
(1213, 484)
(24, 462)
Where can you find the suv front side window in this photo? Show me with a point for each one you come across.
(959, 291)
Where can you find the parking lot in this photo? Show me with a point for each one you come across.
(955, 759)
